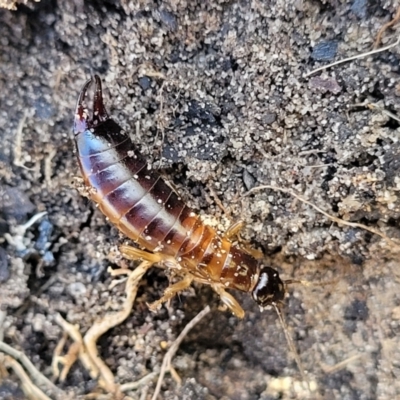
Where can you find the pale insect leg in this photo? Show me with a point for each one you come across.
(229, 300)
(234, 230)
(132, 253)
(172, 290)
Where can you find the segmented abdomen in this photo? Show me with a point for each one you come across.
(139, 202)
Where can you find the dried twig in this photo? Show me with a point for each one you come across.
(173, 349)
(331, 217)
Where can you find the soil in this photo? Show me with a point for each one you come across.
(216, 97)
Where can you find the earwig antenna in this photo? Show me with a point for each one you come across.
(308, 283)
(291, 345)
(294, 281)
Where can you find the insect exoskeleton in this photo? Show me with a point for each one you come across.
(168, 233)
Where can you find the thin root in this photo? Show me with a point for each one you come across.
(368, 53)
(110, 321)
(385, 27)
(339, 366)
(15, 360)
(29, 388)
(375, 107)
(85, 348)
(126, 387)
(175, 375)
(331, 217)
(166, 364)
(57, 355)
(75, 335)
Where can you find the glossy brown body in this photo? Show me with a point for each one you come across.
(139, 202)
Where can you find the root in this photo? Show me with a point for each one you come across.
(393, 242)
(375, 107)
(166, 365)
(357, 56)
(85, 348)
(22, 366)
(385, 27)
(29, 388)
(329, 369)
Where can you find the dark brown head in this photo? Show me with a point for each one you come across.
(269, 288)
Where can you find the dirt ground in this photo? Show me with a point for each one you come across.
(215, 95)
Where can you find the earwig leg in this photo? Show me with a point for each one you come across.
(234, 229)
(229, 301)
(132, 253)
(171, 291)
(257, 254)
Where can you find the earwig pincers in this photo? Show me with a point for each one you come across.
(168, 233)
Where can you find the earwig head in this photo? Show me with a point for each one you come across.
(82, 119)
(269, 288)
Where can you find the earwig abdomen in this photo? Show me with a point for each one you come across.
(138, 201)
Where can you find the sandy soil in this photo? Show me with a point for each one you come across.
(215, 95)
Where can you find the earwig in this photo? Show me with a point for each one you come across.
(137, 200)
